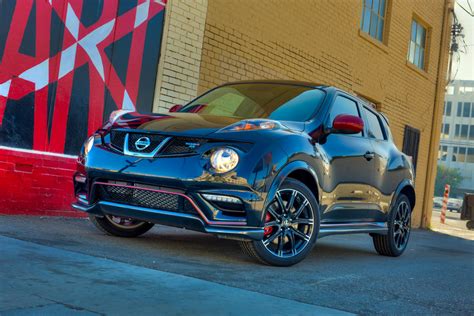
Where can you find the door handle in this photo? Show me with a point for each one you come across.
(369, 155)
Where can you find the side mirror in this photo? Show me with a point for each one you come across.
(175, 108)
(347, 124)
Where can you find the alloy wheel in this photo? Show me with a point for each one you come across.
(124, 222)
(289, 223)
(401, 225)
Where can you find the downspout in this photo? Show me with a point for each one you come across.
(437, 115)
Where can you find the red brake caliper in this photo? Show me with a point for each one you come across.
(267, 230)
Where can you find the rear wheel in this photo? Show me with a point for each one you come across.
(399, 225)
(120, 226)
(291, 226)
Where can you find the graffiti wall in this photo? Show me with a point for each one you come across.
(65, 65)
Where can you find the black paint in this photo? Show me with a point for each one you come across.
(6, 14)
(18, 121)
(57, 34)
(28, 43)
(118, 54)
(91, 12)
(76, 131)
(151, 56)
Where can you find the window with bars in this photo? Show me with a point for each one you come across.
(417, 49)
(411, 142)
(373, 18)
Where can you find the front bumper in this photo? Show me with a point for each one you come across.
(175, 219)
(186, 177)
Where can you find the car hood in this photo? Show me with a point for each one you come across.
(181, 123)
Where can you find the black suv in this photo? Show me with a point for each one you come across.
(272, 164)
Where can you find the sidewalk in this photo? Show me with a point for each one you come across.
(36, 279)
(453, 225)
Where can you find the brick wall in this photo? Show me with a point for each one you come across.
(320, 41)
(35, 183)
(178, 72)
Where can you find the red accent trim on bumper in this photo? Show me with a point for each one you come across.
(201, 214)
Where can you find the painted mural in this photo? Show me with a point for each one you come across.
(65, 65)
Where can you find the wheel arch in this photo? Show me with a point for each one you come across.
(298, 170)
(407, 188)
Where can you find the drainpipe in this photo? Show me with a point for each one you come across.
(437, 115)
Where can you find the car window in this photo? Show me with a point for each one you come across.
(300, 108)
(374, 127)
(284, 102)
(343, 105)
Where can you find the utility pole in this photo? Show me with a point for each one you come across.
(456, 31)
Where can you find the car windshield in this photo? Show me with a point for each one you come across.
(283, 102)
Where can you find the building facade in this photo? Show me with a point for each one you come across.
(456, 148)
(392, 53)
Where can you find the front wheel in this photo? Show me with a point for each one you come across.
(120, 226)
(291, 226)
(399, 225)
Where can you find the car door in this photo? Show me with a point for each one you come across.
(387, 175)
(349, 170)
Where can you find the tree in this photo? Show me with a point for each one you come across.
(445, 175)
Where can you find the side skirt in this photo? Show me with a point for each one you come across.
(353, 228)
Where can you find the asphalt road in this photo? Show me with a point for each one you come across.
(434, 276)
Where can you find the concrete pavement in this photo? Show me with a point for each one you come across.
(434, 276)
(38, 279)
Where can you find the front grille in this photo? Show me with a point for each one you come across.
(155, 141)
(137, 196)
(176, 146)
(183, 145)
(117, 139)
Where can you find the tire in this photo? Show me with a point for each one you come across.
(107, 225)
(290, 231)
(394, 243)
(470, 225)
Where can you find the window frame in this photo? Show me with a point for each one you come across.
(420, 23)
(380, 17)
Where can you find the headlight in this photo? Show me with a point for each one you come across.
(88, 145)
(251, 125)
(224, 159)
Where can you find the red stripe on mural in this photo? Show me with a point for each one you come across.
(61, 110)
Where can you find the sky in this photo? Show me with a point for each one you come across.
(466, 65)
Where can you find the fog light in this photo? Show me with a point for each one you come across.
(222, 198)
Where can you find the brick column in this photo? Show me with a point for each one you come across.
(178, 71)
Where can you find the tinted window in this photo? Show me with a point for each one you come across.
(374, 127)
(447, 109)
(259, 100)
(343, 105)
(467, 109)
